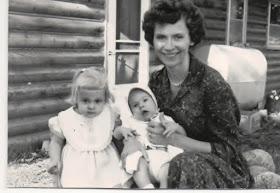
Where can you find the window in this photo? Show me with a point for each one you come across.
(237, 22)
(273, 25)
(127, 50)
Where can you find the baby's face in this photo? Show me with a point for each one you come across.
(142, 105)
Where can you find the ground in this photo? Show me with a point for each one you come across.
(30, 171)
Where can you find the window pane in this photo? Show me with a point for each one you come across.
(275, 14)
(274, 31)
(235, 31)
(274, 35)
(127, 68)
(237, 7)
(128, 22)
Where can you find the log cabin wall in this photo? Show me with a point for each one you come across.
(48, 41)
(215, 13)
(256, 37)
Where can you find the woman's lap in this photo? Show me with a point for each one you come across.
(202, 171)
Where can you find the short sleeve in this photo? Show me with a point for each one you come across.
(55, 128)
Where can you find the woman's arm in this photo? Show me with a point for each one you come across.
(156, 136)
(188, 144)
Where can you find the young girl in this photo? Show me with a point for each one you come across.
(89, 159)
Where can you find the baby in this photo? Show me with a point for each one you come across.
(143, 106)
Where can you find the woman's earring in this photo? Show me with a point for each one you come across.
(192, 43)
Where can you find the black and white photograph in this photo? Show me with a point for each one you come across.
(136, 95)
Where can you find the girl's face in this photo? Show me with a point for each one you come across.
(172, 42)
(90, 103)
(142, 106)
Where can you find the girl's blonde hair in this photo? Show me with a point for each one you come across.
(90, 78)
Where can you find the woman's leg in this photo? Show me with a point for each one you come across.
(142, 176)
(203, 171)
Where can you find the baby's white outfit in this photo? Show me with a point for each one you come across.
(157, 157)
(89, 158)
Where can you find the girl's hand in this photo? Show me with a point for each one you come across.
(132, 145)
(54, 167)
(127, 132)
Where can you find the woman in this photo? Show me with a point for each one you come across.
(197, 98)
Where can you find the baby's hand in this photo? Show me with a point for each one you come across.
(127, 132)
(54, 167)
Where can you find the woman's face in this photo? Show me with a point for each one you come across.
(172, 42)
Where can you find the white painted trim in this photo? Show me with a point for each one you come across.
(245, 21)
(270, 47)
(111, 45)
(228, 21)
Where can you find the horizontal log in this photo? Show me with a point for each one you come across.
(212, 24)
(272, 79)
(274, 70)
(28, 125)
(215, 35)
(41, 75)
(53, 57)
(59, 8)
(251, 30)
(272, 54)
(39, 90)
(214, 13)
(272, 86)
(256, 38)
(211, 41)
(19, 109)
(43, 40)
(256, 20)
(50, 24)
(257, 12)
(95, 2)
(211, 4)
(23, 144)
(273, 62)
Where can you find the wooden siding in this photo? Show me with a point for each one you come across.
(48, 41)
(215, 14)
(256, 38)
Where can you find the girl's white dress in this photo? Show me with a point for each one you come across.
(89, 158)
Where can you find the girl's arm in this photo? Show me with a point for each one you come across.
(55, 148)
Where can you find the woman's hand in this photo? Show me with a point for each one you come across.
(171, 127)
(155, 133)
(132, 145)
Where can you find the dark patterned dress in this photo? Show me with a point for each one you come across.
(207, 109)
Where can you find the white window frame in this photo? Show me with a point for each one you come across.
(111, 50)
(244, 23)
(268, 46)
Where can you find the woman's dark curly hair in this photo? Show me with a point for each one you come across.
(170, 11)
